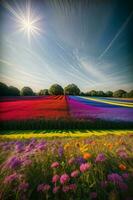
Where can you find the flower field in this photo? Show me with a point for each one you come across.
(64, 112)
(67, 168)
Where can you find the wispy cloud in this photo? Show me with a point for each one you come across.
(117, 35)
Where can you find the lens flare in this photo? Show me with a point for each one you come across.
(26, 20)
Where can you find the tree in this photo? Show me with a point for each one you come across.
(87, 94)
(125, 95)
(13, 91)
(109, 94)
(93, 93)
(56, 89)
(100, 94)
(82, 94)
(4, 91)
(119, 93)
(72, 89)
(43, 92)
(26, 91)
(130, 94)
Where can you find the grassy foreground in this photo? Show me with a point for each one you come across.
(64, 124)
(69, 167)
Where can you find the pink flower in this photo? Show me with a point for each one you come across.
(55, 189)
(43, 187)
(23, 186)
(71, 161)
(84, 167)
(100, 158)
(65, 188)
(73, 187)
(122, 153)
(9, 179)
(64, 178)
(55, 165)
(55, 178)
(75, 173)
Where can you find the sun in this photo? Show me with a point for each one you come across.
(29, 26)
(25, 18)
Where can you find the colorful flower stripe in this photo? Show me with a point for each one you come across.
(82, 108)
(93, 102)
(118, 99)
(125, 104)
(65, 107)
(52, 107)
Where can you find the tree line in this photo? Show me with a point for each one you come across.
(56, 89)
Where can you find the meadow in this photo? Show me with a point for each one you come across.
(78, 165)
(66, 147)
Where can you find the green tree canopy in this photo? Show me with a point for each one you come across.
(56, 89)
(13, 91)
(93, 93)
(130, 94)
(4, 90)
(26, 91)
(43, 92)
(119, 93)
(100, 94)
(109, 94)
(72, 89)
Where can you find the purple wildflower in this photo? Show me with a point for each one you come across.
(60, 151)
(125, 176)
(41, 146)
(80, 160)
(14, 162)
(19, 146)
(100, 158)
(115, 178)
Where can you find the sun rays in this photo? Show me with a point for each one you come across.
(26, 20)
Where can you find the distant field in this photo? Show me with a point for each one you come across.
(59, 111)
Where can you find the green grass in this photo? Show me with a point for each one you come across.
(61, 124)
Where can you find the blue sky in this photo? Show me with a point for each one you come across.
(86, 42)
